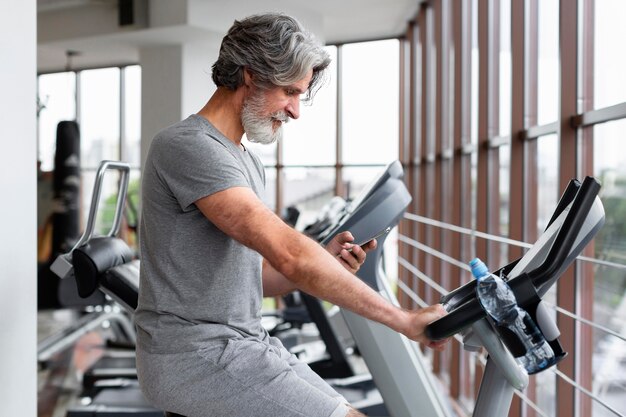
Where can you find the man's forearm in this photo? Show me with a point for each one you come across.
(318, 273)
(274, 283)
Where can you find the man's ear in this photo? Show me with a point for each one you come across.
(247, 77)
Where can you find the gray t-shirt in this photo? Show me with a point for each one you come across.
(197, 284)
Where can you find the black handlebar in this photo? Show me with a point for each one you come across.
(567, 233)
(462, 304)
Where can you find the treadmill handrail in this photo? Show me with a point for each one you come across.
(567, 233)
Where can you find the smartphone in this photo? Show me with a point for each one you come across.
(376, 236)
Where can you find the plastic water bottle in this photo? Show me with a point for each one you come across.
(499, 302)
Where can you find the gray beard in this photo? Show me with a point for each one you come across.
(258, 128)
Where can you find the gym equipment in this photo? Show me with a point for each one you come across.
(66, 185)
(396, 363)
(106, 263)
(65, 219)
(62, 268)
(578, 217)
(397, 366)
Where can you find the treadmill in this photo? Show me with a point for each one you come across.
(399, 370)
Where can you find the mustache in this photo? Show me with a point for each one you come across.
(280, 116)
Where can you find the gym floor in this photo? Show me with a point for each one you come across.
(59, 380)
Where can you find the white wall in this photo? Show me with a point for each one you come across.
(18, 230)
(160, 90)
(175, 82)
(197, 85)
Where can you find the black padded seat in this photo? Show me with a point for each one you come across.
(93, 259)
(122, 284)
(173, 415)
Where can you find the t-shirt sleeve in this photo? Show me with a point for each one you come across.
(194, 165)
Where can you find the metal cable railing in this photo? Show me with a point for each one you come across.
(465, 231)
(421, 276)
(431, 251)
(500, 239)
(587, 322)
(586, 391)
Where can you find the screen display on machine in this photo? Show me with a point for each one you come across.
(369, 189)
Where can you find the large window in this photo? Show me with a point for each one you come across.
(99, 116)
(548, 187)
(312, 139)
(370, 102)
(57, 102)
(536, 97)
(548, 61)
(609, 284)
(344, 137)
(609, 58)
(106, 104)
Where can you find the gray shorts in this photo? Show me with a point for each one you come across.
(237, 378)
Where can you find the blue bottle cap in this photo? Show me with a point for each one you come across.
(479, 269)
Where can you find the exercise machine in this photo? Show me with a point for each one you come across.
(106, 265)
(397, 366)
(98, 308)
(578, 217)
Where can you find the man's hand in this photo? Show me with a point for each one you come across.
(353, 259)
(416, 322)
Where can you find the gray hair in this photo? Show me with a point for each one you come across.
(275, 48)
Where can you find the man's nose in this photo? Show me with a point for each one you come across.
(293, 107)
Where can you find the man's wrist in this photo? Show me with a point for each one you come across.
(400, 320)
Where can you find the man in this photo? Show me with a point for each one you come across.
(211, 249)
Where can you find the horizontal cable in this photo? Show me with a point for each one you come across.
(601, 262)
(530, 403)
(468, 149)
(431, 251)
(464, 230)
(587, 322)
(498, 141)
(412, 294)
(586, 391)
(419, 274)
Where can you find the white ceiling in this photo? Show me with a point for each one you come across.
(91, 27)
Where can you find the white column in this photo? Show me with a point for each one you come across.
(18, 215)
(197, 85)
(176, 82)
(160, 91)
